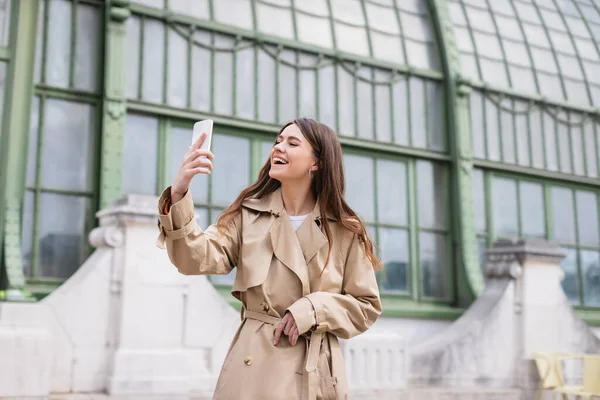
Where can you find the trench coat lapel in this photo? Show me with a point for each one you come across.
(310, 236)
(286, 248)
(294, 249)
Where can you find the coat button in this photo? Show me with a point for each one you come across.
(248, 360)
(264, 306)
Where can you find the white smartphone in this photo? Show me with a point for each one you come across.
(203, 126)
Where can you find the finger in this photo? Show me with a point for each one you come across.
(201, 162)
(199, 141)
(294, 336)
(278, 331)
(288, 327)
(191, 156)
(195, 171)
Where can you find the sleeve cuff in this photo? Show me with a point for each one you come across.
(180, 214)
(304, 314)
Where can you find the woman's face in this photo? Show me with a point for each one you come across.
(292, 156)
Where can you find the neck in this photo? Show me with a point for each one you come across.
(297, 199)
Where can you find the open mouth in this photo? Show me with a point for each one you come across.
(279, 161)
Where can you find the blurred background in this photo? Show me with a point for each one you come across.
(462, 122)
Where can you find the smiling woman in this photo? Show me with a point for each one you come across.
(305, 265)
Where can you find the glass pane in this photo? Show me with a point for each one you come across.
(590, 153)
(223, 76)
(435, 112)
(550, 148)
(4, 21)
(327, 99)
(132, 57)
(508, 137)
(364, 99)
(417, 112)
(177, 66)
(266, 86)
(201, 77)
(504, 207)
(234, 12)
(522, 137)
(151, 3)
(434, 270)
(231, 173)
(431, 194)
(201, 214)
(532, 210)
(27, 233)
(537, 144)
(197, 8)
(154, 60)
(275, 20)
(39, 46)
(360, 193)
(88, 49)
(565, 148)
(245, 82)
(179, 142)
(477, 128)
(307, 87)
(590, 271)
(481, 250)
(479, 200)
(351, 39)
(393, 244)
(140, 155)
(571, 282)
(287, 87)
(563, 217)
(400, 110)
(587, 218)
(576, 135)
(265, 151)
(346, 102)
(32, 144)
(62, 235)
(382, 113)
(313, 30)
(491, 131)
(58, 51)
(67, 157)
(391, 192)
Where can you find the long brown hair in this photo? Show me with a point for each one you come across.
(328, 186)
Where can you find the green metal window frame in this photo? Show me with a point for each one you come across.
(361, 72)
(43, 91)
(591, 313)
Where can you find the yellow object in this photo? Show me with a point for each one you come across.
(591, 379)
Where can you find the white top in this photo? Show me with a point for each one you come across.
(297, 220)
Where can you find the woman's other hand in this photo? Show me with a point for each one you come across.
(195, 162)
(288, 327)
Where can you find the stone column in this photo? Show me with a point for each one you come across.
(522, 310)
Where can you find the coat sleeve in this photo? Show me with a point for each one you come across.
(344, 314)
(192, 250)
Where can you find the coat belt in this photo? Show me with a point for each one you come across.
(310, 380)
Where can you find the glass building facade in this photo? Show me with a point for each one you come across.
(462, 121)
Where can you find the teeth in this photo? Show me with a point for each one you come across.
(277, 159)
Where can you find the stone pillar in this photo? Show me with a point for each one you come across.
(522, 310)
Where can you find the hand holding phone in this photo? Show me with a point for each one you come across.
(196, 160)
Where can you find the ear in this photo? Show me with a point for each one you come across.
(315, 166)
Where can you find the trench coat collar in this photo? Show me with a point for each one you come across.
(295, 249)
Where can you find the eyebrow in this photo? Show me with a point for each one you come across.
(280, 136)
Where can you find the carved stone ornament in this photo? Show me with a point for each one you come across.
(506, 258)
(106, 236)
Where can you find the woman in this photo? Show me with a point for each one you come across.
(305, 266)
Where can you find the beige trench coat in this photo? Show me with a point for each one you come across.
(278, 270)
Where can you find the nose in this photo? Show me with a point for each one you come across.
(278, 147)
